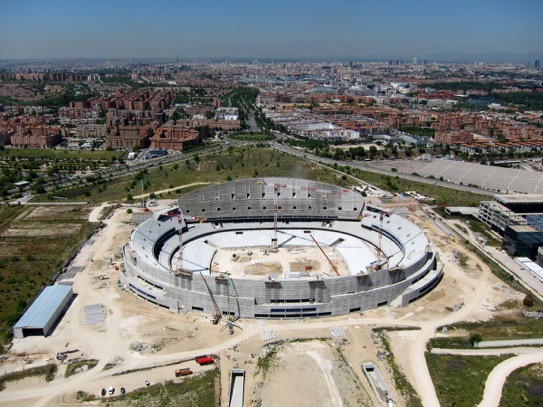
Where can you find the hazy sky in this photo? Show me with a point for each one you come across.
(268, 29)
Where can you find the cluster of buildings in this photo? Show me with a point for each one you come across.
(124, 120)
(519, 219)
(51, 76)
(323, 100)
(142, 106)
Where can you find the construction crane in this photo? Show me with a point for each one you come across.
(362, 215)
(276, 192)
(229, 320)
(380, 239)
(180, 217)
(327, 258)
(217, 316)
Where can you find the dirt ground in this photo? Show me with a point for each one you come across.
(332, 381)
(302, 370)
(32, 230)
(260, 263)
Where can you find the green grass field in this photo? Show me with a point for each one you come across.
(28, 261)
(200, 390)
(524, 387)
(60, 154)
(460, 380)
(245, 162)
(248, 162)
(513, 325)
(442, 196)
(252, 137)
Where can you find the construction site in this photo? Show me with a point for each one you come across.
(245, 293)
(277, 248)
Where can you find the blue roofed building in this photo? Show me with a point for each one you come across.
(41, 317)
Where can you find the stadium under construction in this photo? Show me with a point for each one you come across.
(277, 248)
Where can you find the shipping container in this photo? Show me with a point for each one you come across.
(204, 360)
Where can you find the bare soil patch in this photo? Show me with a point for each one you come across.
(41, 230)
(58, 212)
(261, 262)
(296, 364)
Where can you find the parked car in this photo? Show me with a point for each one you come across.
(103, 392)
(111, 390)
(123, 391)
(147, 383)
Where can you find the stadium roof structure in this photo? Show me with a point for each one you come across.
(41, 316)
(518, 198)
(493, 178)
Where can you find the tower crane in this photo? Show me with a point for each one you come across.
(276, 192)
(380, 240)
(180, 218)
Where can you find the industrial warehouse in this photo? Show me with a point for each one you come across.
(277, 248)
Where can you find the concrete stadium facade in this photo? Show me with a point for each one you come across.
(241, 214)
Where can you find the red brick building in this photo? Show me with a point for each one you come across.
(39, 136)
(127, 137)
(453, 137)
(174, 138)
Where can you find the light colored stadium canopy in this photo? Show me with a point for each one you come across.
(485, 176)
(42, 315)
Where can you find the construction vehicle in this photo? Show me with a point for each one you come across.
(185, 371)
(205, 360)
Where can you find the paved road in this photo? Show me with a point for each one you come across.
(496, 378)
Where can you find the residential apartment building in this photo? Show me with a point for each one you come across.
(174, 138)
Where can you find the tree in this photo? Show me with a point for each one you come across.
(528, 300)
(176, 116)
(474, 339)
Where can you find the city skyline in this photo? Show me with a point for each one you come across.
(461, 30)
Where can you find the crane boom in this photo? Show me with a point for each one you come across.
(327, 258)
(275, 198)
(180, 217)
(217, 315)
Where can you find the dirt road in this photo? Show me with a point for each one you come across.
(184, 337)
